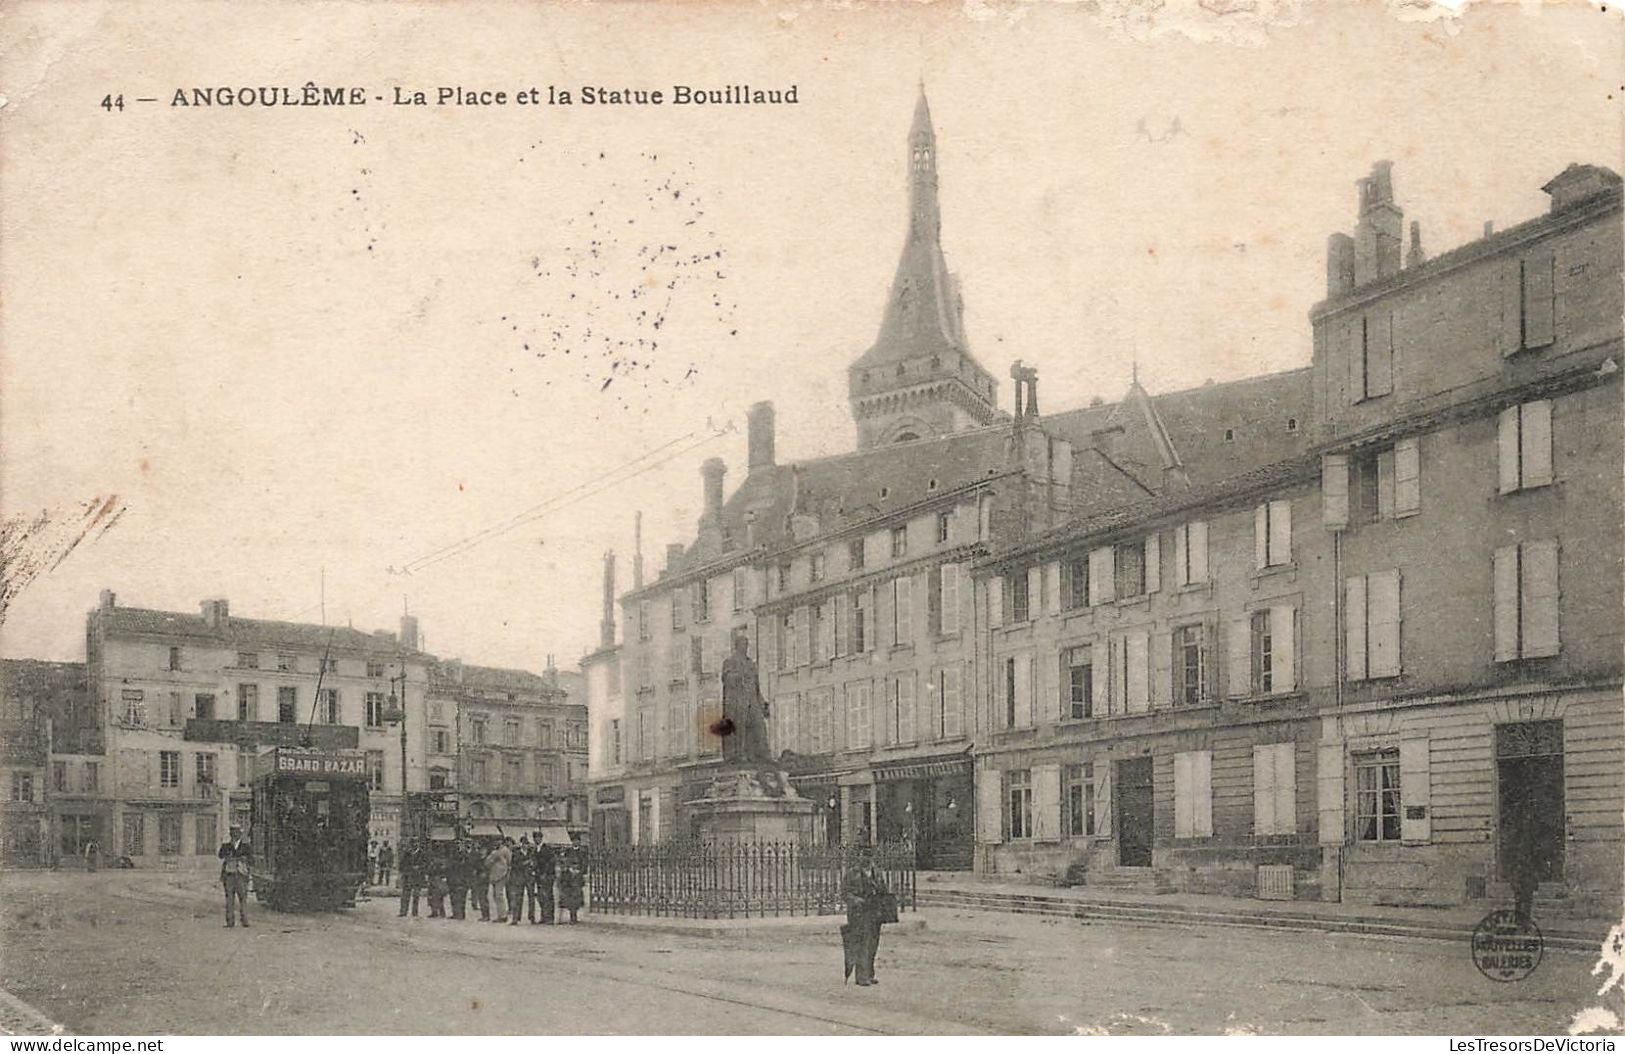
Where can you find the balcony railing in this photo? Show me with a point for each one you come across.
(271, 734)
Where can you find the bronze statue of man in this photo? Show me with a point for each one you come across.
(744, 713)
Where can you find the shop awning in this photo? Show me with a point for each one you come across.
(958, 765)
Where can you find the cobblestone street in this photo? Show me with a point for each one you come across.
(135, 953)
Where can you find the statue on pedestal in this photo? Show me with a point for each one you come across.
(743, 727)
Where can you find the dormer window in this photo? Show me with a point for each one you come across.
(1229, 435)
(1292, 424)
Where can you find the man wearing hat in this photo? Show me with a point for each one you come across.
(235, 856)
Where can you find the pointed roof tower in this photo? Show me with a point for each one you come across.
(919, 378)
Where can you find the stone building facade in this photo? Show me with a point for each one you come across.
(1347, 631)
(35, 698)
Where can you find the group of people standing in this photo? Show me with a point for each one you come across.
(499, 882)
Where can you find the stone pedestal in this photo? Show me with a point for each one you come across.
(753, 805)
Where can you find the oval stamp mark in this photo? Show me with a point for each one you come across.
(1507, 946)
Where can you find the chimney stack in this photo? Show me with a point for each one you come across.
(1377, 234)
(712, 471)
(215, 612)
(409, 632)
(1339, 265)
(760, 429)
(109, 600)
(606, 626)
(674, 557)
(1416, 256)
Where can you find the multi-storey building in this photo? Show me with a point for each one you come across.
(184, 703)
(607, 754)
(34, 698)
(1468, 407)
(512, 746)
(1351, 630)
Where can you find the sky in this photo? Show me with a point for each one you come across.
(342, 362)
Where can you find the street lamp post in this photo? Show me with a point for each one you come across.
(398, 708)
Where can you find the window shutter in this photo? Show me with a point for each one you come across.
(1052, 587)
(1238, 672)
(805, 630)
(696, 656)
(1379, 379)
(1283, 647)
(950, 598)
(905, 708)
(1115, 688)
(1382, 604)
(885, 601)
(1280, 532)
(1153, 562)
(989, 806)
(1184, 796)
(1539, 306)
(1540, 595)
(1024, 691)
(1509, 338)
(1181, 556)
(1047, 703)
(1137, 662)
(1035, 591)
(885, 712)
(1536, 449)
(1334, 491)
(839, 607)
(1407, 477)
(1506, 603)
(1264, 822)
(1329, 794)
(1385, 485)
(1162, 655)
(953, 724)
(1357, 343)
(1286, 788)
(1197, 542)
(905, 609)
(827, 645)
(1103, 798)
(1414, 788)
(1507, 449)
(1102, 577)
(1099, 681)
(995, 601)
(1202, 781)
(1046, 803)
(1261, 536)
(1354, 628)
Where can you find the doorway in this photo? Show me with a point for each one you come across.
(1531, 822)
(1135, 822)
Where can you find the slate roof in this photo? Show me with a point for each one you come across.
(239, 632)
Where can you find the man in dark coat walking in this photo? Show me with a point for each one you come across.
(863, 889)
(235, 857)
(543, 868)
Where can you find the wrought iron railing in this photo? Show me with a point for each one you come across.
(736, 880)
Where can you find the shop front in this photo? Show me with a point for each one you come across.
(927, 802)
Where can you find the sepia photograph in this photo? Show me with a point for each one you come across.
(1088, 519)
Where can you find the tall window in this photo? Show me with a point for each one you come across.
(678, 619)
(646, 734)
(782, 576)
(248, 702)
(1371, 625)
(287, 704)
(645, 631)
(1078, 800)
(1019, 802)
(59, 776)
(854, 554)
(206, 773)
(1371, 367)
(1274, 789)
(902, 709)
(1193, 794)
(135, 834)
(1077, 581)
(1262, 652)
(169, 768)
(860, 622)
(1189, 666)
(1020, 597)
(739, 589)
(22, 786)
(287, 663)
(90, 781)
(135, 707)
(902, 610)
(948, 715)
(945, 599)
(1376, 796)
(899, 541)
(1272, 534)
(248, 660)
(858, 718)
(330, 704)
(1190, 553)
(375, 669)
(375, 769)
(1524, 446)
(207, 828)
(815, 567)
(439, 741)
(1526, 625)
(169, 834)
(943, 520)
(476, 729)
(513, 774)
(375, 709)
(702, 600)
(1129, 572)
(1080, 677)
(174, 658)
(439, 778)
(615, 741)
(510, 732)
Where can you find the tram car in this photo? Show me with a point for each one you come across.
(309, 827)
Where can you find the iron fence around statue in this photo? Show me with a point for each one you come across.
(704, 880)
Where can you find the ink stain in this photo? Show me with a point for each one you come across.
(723, 727)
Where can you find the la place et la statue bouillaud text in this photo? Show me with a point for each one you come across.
(598, 95)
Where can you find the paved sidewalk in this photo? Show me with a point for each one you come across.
(968, 891)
